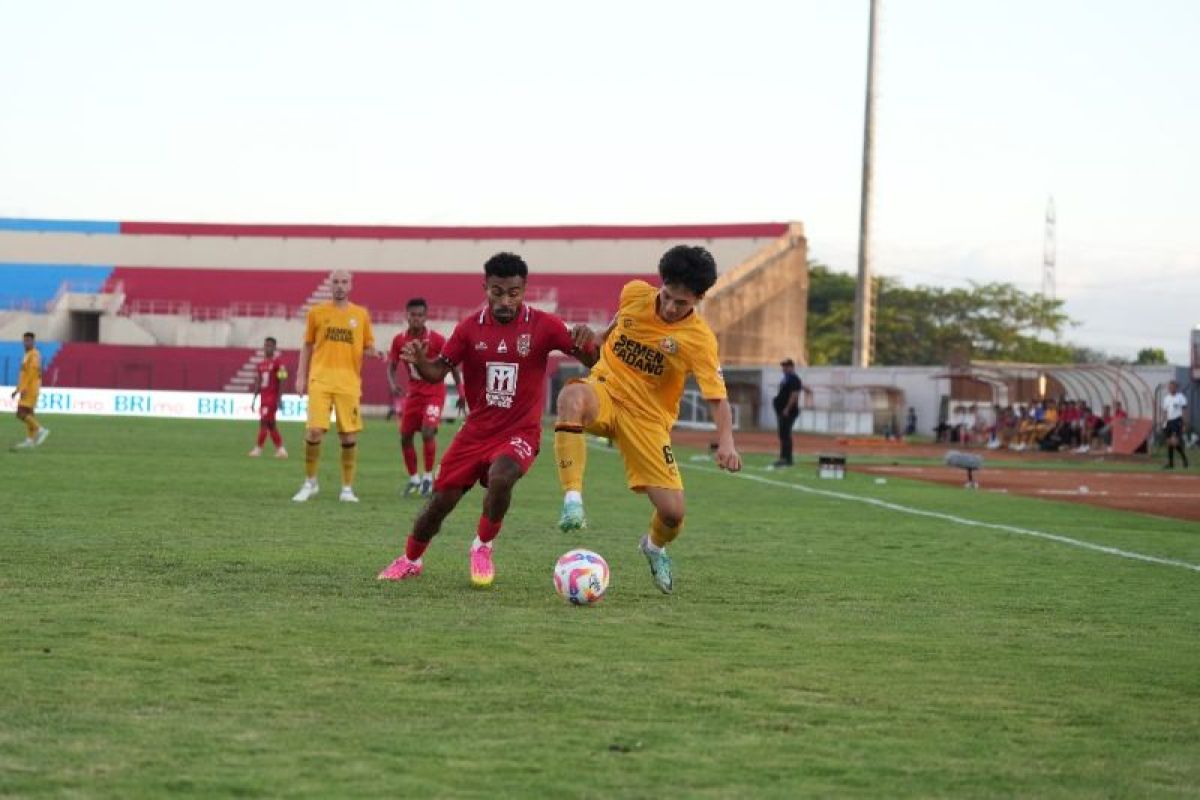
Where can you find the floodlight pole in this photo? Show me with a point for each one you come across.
(864, 318)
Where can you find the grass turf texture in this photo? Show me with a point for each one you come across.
(172, 623)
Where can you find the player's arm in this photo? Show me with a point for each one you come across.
(461, 402)
(390, 372)
(727, 454)
(254, 395)
(435, 371)
(586, 345)
(302, 369)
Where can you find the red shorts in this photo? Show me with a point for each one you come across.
(468, 458)
(268, 407)
(420, 412)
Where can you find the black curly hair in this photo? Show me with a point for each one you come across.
(691, 267)
(505, 265)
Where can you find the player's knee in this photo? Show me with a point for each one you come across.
(314, 435)
(571, 400)
(428, 432)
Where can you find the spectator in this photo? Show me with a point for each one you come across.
(787, 410)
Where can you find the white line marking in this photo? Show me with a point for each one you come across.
(1053, 537)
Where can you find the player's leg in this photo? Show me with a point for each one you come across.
(425, 527)
(349, 422)
(24, 415)
(273, 432)
(429, 429)
(650, 467)
(506, 463)
(462, 467)
(582, 405)
(410, 456)
(320, 404)
(256, 451)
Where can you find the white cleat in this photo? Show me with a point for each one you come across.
(255, 453)
(347, 495)
(24, 444)
(281, 452)
(307, 489)
(42, 434)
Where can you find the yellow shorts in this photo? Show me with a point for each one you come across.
(28, 399)
(645, 445)
(322, 401)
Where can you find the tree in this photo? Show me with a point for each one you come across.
(1151, 355)
(928, 325)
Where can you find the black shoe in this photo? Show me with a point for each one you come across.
(781, 463)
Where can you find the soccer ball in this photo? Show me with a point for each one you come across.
(581, 577)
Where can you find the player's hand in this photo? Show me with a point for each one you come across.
(414, 352)
(461, 405)
(301, 384)
(728, 459)
(584, 339)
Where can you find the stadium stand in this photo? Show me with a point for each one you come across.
(32, 286)
(11, 354)
(108, 366)
(213, 293)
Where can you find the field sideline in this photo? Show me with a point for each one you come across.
(174, 624)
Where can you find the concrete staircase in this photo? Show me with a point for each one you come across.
(758, 309)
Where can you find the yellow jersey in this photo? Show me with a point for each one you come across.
(338, 337)
(30, 378)
(646, 360)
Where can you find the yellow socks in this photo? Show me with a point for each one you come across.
(31, 426)
(349, 462)
(660, 534)
(312, 457)
(570, 452)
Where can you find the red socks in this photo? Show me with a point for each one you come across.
(487, 529)
(430, 455)
(414, 548)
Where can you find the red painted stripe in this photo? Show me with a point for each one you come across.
(728, 231)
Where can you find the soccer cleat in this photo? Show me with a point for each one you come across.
(24, 444)
(307, 490)
(255, 453)
(400, 569)
(660, 565)
(482, 571)
(281, 452)
(572, 518)
(41, 436)
(426, 487)
(413, 487)
(347, 495)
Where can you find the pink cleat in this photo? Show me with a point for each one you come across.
(400, 569)
(482, 571)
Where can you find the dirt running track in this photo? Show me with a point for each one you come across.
(1162, 493)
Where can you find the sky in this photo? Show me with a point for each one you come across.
(530, 113)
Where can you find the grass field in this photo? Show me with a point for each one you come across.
(173, 624)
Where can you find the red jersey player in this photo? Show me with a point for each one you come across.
(270, 375)
(503, 349)
(423, 400)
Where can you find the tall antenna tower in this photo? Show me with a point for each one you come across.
(1049, 253)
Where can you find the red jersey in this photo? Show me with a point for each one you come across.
(271, 373)
(504, 367)
(434, 344)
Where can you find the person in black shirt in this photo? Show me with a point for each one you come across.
(787, 410)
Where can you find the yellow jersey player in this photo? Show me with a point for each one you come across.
(632, 397)
(29, 384)
(337, 335)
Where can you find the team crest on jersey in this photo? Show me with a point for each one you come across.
(668, 346)
(502, 347)
(523, 344)
(481, 345)
(627, 322)
(353, 323)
